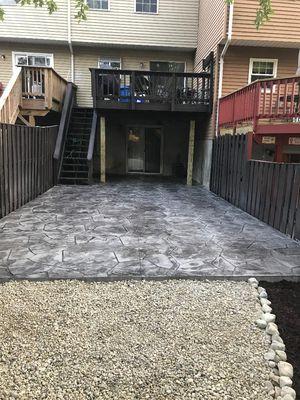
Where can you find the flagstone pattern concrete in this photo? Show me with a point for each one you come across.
(136, 229)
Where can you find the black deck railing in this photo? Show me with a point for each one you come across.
(147, 90)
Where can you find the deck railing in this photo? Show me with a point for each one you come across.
(126, 89)
(32, 88)
(44, 86)
(11, 98)
(274, 99)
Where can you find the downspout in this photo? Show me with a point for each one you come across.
(70, 43)
(298, 68)
(222, 57)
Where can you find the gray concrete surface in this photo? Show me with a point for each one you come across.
(136, 229)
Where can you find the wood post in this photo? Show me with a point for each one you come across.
(102, 150)
(32, 120)
(189, 180)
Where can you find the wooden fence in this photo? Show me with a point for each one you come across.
(268, 191)
(26, 164)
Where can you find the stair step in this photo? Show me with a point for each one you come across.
(73, 173)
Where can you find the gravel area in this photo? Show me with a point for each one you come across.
(131, 340)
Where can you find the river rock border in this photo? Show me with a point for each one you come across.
(280, 384)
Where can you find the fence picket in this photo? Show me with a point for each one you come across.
(267, 190)
(26, 164)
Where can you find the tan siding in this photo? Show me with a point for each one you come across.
(212, 28)
(283, 26)
(60, 53)
(174, 26)
(86, 58)
(36, 23)
(236, 67)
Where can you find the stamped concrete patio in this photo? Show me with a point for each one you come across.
(139, 228)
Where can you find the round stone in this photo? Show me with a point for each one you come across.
(277, 346)
(253, 282)
(285, 381)
(285, 369)
(272, 329)
(282, 355)
(286, 390)
(266, 309)
(270, 355)
(268, 317)
(261, 324)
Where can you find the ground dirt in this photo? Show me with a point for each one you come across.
(285, 298)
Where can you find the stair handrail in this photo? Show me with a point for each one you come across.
(91, 146)
(11, 98)
(63, 128)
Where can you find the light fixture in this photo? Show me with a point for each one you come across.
(142, 65)
(3, 57)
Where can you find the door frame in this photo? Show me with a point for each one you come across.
(143, 126)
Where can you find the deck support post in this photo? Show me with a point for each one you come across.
(189, 179)
(102, 150)
(32, 120)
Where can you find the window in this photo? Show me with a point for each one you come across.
(109, 63)
(146, 6)
(33, 59)
(262, 69)
(98, 4)
(167, 66)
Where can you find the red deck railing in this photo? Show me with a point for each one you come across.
(272, 99)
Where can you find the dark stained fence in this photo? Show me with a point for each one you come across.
(268, 191)
(26, 164)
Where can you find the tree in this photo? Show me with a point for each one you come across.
(51, 6)
(263, 14)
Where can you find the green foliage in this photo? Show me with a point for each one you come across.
(51, 6)
(263, 14)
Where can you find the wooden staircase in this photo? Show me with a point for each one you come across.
(75, 166)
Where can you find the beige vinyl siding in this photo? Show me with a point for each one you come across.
(87, 57)
(29, 22)
(212, 28)
(175, 25)
(283, 26)
(236, 67)
(61, 57)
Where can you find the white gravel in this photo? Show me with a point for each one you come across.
(131, 340)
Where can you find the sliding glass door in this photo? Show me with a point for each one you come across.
(144, 149)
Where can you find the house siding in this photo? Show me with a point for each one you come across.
(29, 22)
(61, 57)
(282, 27)
(236, 67)
(175, 25)
(212, 29)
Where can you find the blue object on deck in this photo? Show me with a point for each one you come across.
(125, 94)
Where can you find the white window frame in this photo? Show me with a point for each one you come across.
(252, 60)
(110, 59)
(146, 13)
(27, 53)
(100, 9)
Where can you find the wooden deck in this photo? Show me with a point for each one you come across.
(152, 91)
(270, 106)
(32, 91)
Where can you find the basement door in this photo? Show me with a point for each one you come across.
(144, 150)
